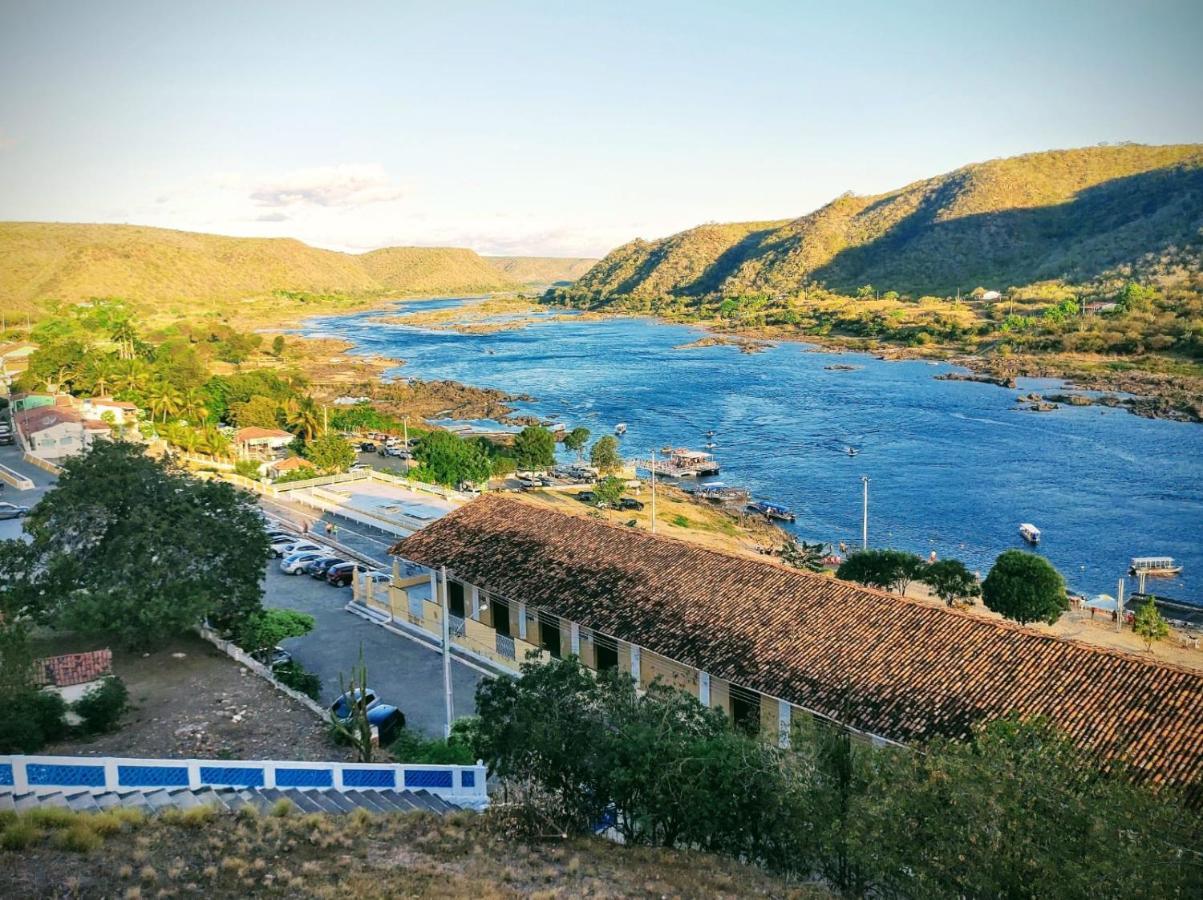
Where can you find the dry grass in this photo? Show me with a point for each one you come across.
(361, 855)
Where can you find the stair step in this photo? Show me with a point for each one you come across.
(82, 801)
(304, 801)
(107, 800)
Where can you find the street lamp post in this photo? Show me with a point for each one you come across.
(864, 525)
(447, 695)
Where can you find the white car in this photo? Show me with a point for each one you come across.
(376, 577)
(295, 563)
(289, 546)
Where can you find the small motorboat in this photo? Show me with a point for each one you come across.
(1029, 533)
(851, 451)
(772, 511)
(620, 429)
(710, 445)
(710, 433)
(1158, 566)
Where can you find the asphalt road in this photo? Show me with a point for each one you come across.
(10, 455)
(403, 672)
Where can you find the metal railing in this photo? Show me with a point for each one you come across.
(456, 625)
(505, 646)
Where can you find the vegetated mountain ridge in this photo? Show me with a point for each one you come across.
(1069, 215)
(41, 262)
(541, 270)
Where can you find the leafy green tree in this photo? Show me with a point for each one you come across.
(451, 460)
(608, 492)
(604, 456)
(303, 417)
(164, 399)
(534, 449)
(258, 411)
(804, 556)
(278, 346)
(883, 569)
(127, 546)
(576, 439)
(1025, 587)
(330, 453)
(1149, 624)
(951, 581)
(267, 628)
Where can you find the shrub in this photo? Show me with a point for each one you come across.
(78, 837)
(31, 719)
(411, 747)
(101, 707)
(19, 835)
(294, 675)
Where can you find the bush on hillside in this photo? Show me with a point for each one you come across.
(100, 708)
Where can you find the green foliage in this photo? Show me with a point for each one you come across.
(304, 473)
(449, 459)
(883, 569)
(268, 627)
(604, 456)
(330, 453)
(30, 719)
(534, 449)
(1149, 624)
(292, 674)
(1025, 587)
(576, 439)
(278, 346)
(608, 491)
(804, 556)
(355, 730)
(411, 747)
(951, 580)
(256, 412)
(101, 707)
(124, 545)
(247, 468)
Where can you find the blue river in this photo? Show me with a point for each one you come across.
(953, 466)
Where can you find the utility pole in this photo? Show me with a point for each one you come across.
(446, 649)
(653, 490)
(1119, 606)
(864, 525)
(405, 426)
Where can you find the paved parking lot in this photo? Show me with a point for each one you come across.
(402, 671)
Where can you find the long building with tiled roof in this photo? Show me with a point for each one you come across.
(885, 666)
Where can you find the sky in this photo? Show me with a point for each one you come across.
(554, 128)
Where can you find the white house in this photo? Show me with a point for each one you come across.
(54, 432)
(124, 412)
(262, 442)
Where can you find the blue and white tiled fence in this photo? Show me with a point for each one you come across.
(463, 785)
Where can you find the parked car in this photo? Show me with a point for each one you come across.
(340, 574)
(277, 534)
(367, 447)
(360, 467)
(387, 719)
(295, 563)
(12, 511)
(317, 568)
(377, 577)
(289, 546)
(630, 503)
(398, 452)
(586, 496)
(272, 656)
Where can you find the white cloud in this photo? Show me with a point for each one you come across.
(326, 186)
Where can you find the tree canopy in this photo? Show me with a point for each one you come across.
(534, 449)
(448, 459)
(576, 439)
(1025, 587)
(951, 581)
(330, 453)
(604, 456)
(883, 569)
(128, 546)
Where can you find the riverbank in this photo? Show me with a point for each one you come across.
(1147, 385)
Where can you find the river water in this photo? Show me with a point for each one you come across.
(953, 466)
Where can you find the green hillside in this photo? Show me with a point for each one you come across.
(157, 268)
(541, 270)
(1070, 215)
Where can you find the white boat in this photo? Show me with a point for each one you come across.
(620, 428)
(1029, 533)
(1155, 565)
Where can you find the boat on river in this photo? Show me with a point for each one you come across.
(1159, 566)
(678, 462)
(620, 429)
(716, 492)
(772, 511)
(1030, 533)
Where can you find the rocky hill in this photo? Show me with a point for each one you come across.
(541, 271)
(1069, 215)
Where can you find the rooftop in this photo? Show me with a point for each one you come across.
(73, 668)
(874, 661)
(254, 433)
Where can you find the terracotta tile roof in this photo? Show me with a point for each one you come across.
(255, 433)
(31, 421)
(293, 462)
(882, 664)
(114, 404)
(74, 668)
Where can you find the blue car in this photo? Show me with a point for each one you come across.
(387, 719)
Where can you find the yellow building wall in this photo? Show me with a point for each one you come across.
(588, 652)
(673, 674)
(720, 694)
(769, 718)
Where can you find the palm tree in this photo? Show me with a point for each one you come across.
(801, 555)
(216, 444)
(104, 373)
(125, 336)
(130, 376)
(164, 398)
(194, 405)
(302, 415)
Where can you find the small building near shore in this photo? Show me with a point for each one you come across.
(775, 647)
(56, 432)
(264, 443)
